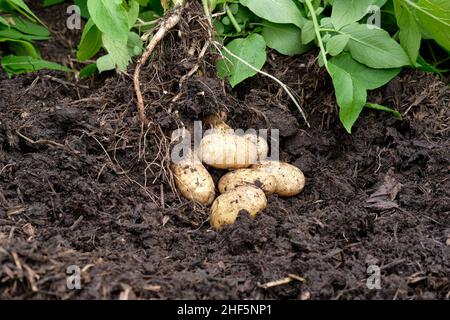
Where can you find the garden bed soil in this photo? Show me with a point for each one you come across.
(76, 188)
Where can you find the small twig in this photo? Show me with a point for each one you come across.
(282, 281)
(76, 223)
(40, 141)
(285, 87)
(65, 83)
(276, 283)
(6, 167)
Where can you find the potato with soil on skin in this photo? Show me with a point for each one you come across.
(262, 146)
(226, 208)
(223, 149)
(218, 122)
(290, 179)
(242, 177)
(193, 181)
(227, 151)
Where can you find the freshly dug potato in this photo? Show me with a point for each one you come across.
(193, 181)
(290, 179)
(242, 177)
(226, 208)
(227, 151)
(261, 145)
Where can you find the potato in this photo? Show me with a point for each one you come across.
(290, 179)
(227, 151)
(226, 208)
(193, 181)
(261, 145)
(242, 177)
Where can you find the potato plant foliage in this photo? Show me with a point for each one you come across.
(20, 28)
(362, 44)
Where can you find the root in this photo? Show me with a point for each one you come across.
(166, 26)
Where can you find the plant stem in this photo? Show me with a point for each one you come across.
(232, 19)
(318, 35)
(148, 23)
(206, 7)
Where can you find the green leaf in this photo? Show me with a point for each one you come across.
(379, 107)
(90, 43)
(118, 51)
(308, 32)
(31, 28)
(4, 22)
(368, 77)
(350, 95)
(434, 17)
(88, 71)
(48, 3)
(336, 44)
(409, 34)
(345, 12)
(20, 47)
(21, 7)
(143, 3)
(379, 3)
(16, 35)
(251, 49)
(110, 17)
(278, 11)
(374, 47)
(133, 13)
(285, 38)
(23, 64)
(105, 63)
(135, 44)
(83, 8)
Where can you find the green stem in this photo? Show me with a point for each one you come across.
(148, 23)
(323, 52)
(232, 19)
(206, 7)
(437, 63)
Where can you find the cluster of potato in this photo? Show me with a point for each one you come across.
(247, 186)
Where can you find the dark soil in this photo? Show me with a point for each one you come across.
(73, 189)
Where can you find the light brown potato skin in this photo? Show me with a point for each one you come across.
(227, 151)
(193, 181)
(226, 208)
(290, 179)
(242, 177)
(261, 145)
